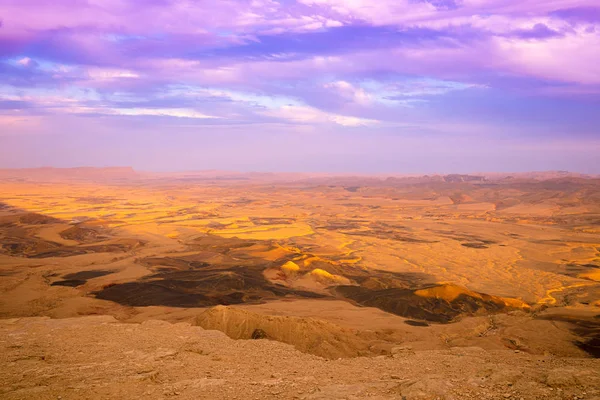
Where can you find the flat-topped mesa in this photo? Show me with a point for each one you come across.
(464, 178)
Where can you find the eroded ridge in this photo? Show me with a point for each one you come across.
(98, 357)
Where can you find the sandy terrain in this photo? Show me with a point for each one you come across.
(336, 267)
(97, 357)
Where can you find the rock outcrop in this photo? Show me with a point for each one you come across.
(97, 357)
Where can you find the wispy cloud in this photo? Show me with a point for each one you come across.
(415, 67)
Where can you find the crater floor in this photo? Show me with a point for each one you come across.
(365, 269)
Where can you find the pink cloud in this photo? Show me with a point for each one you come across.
(573, 58)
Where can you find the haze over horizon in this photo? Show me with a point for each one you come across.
(439, 86)
(119, 171)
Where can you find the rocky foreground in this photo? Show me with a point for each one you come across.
(97, 357)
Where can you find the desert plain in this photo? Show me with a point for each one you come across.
(116, 283)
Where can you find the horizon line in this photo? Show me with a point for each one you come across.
(299, 172)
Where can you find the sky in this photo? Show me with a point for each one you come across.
(402, 86)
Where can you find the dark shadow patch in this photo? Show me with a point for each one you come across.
(405, 303)
(475, 245)
(86, 275)
(587, 328)
(549, 242)
(590, 346)
(69, 282)
(259, 334)
(65, 252)
(470, 240)
(171, 264)
(411, 239)
(415, 323)
(200, 288)
(152, 294)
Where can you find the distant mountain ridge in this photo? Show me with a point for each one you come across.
(129, 173)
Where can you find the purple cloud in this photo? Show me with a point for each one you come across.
(506, 68)
(539, 31)
(578, 14)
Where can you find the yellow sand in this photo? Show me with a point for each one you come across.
(290, 266)
(446, 292)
